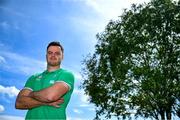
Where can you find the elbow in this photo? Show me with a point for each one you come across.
(17, 105)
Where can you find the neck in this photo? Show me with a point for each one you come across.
(52, 68)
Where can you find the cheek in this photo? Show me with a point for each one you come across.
(62, 57)
(48, 58)
(59, 58)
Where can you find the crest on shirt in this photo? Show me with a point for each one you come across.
(51, 81)
(39, 78)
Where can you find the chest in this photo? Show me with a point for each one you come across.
(46, 80)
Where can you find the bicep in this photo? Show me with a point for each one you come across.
(24, 92)
(57, 90)
(24, 101)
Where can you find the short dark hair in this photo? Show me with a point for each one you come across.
(55, 43)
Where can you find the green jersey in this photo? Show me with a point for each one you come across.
(44, 80)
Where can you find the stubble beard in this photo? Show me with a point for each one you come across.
(53, 64)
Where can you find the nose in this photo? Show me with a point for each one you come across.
(53, 54)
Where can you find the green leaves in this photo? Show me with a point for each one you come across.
(136, 65)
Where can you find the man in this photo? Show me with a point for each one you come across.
(44, 92)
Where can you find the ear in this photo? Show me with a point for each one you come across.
(62, 56)
(46, 56)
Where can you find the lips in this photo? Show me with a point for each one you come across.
(53, 58)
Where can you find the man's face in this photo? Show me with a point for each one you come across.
(54, 56)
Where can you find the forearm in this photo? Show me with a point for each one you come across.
(50, 94)
(26, 102)
(40, 96)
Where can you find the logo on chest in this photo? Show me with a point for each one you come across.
(38, 78)
(51, 81)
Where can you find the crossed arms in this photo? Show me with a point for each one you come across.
(28, 99)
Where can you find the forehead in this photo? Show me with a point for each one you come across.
(54, 48)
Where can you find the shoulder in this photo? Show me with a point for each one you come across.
(34, 76)
(30, 82)
(67, 76)
(67, 73)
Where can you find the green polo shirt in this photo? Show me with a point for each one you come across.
(44, 80)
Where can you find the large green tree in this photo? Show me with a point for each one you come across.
(135, 68)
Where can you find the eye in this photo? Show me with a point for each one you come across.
(50, 53)
(57, 53)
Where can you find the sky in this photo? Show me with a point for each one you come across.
(27, 26)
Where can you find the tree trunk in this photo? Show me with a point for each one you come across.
(168, 115)
(162, 115)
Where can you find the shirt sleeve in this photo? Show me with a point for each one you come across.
(29, 84)
(68, 78)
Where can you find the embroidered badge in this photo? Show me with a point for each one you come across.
(39, 78)
(51, 81)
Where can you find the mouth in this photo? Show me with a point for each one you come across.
(53, 58)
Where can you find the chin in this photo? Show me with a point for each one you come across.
(53, 64)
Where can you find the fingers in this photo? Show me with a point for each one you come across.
(60, 101)
(54, 105)
(57, 106)
(57, 103)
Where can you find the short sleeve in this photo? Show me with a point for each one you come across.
(68, 78)
(29, 83)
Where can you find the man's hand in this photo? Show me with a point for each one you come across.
(56, 103)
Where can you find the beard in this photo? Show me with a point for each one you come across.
(53, 62)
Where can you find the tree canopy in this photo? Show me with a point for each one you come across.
(135, 69)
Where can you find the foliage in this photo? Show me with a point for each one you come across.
(136, 65)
